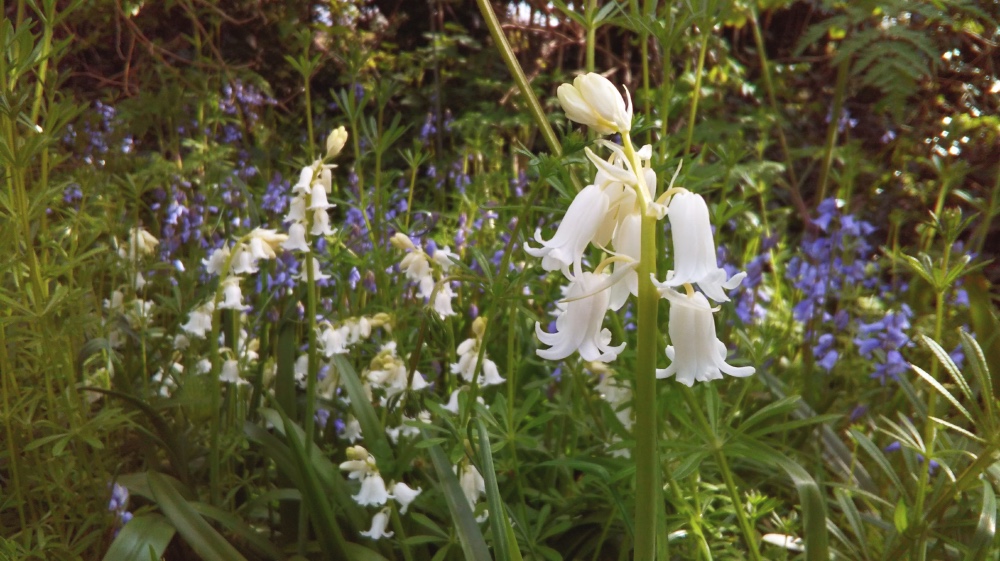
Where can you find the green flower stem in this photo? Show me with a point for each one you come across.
(696, 94)
(831, 131)
(510, 59)
(644, 398)
(727, 475)
(930, 427)
(588, 16)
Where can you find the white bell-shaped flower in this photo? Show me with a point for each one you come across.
(333, 341)
(578, 227)
(594, 101)
(468, 352)
(694, 249)
(200, 320)
(317, 199)
(296, 238)
(243, 261)
(232, 295)
(442, 301)
(627, 242)
(231, 373)
(321, 223)
(472, 483)
(373, 491)
(216, 261)
(696, 354)
(578, 328)
(296, 209)
(318, 274)
(379, 523)
(404, 495)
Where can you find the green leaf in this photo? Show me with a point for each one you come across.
(880, 460)
(144, 535)
(202, 538)
(986, 529)
(321, 514)
(949, 365)
(504, 541)
(813, 508)
(471, 538)
(942, 390)
(899, 517)
(241, 529)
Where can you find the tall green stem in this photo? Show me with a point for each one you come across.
(831, 130)
(647, 488)
(696, 94)
(510, 59)
(588, 16)
(930, 427)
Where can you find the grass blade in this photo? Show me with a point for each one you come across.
(206, 542)
(986, 529)
(473, 544)
(505, 543)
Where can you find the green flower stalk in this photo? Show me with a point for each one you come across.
(618, 213)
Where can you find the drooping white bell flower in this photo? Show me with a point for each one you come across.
(231, 373)
(581, 222)
(468, 353)
(442, 301)
(379, 522)
(594, 101)
(373, 491)
(232, 295)
(296, 209)
(472, 483)
(216, 261)
(696, 354)
(243, 261)
(445, 258)
(578, 328)
(296, 238)
(318, 274)
(404, 495)
(333, 341)
(321, 223)
(627, 241)
(694, 249)
(200, 320)
(317, 199)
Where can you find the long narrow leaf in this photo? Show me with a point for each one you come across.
(504, 544)
(986, 529)
(813, 508)
(473, 544)
(206, 542)
(241, 529)
(321, 513)
(144, 535)
(943, 391)
(879, 458)
(371, 428)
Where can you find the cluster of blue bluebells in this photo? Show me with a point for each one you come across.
(835, 260)
(119, 505)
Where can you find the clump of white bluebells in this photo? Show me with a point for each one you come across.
(468, 363)
(608, 214)
(361, 466)
(429, 272)
(391, 374)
